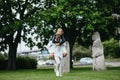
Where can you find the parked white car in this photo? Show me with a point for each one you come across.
(86, 60)
(49, 62)
(41, 62)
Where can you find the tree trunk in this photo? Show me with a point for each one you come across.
(71, 62)
(70, 36)
(13, 44)
(12, 56)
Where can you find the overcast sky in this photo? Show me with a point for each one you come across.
(22, 47)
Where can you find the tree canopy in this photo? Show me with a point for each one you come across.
(85, 16)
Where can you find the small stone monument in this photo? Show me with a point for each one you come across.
(66, 61)
(97, 53)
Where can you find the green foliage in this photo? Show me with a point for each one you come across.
(22, 62)
(3, 62)
(80, 51)
(26, 63)
(109, 48)
(84, 16)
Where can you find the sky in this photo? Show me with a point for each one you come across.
(23, 48)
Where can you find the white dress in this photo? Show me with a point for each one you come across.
(58, 55)
(57, 50)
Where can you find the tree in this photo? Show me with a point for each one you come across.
(15, 16)
(80, 18)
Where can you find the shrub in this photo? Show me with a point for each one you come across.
(33, 63)
(26, 63)
(117, 52)
(109, 48)
(21, 62)
(79, 52)
(3, 62)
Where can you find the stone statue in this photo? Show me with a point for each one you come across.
(66, 61)
(97, 53)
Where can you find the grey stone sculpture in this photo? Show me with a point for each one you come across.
(97, 53)
(66, 62)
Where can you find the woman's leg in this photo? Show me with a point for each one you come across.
(61, 67)
(57, 65)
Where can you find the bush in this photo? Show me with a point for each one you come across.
(79, 52)
(117, 52)
(110, 48)
(33, 63)
(26, 63)
(21, 62)
(3, 62)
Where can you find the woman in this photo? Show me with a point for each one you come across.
(57, 52)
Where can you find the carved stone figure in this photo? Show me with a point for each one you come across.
(97, 52)
(66, 61)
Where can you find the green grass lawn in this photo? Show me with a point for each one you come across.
(78, 73)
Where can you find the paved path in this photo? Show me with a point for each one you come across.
(114, 64)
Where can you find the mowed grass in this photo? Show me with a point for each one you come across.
(78, 73)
